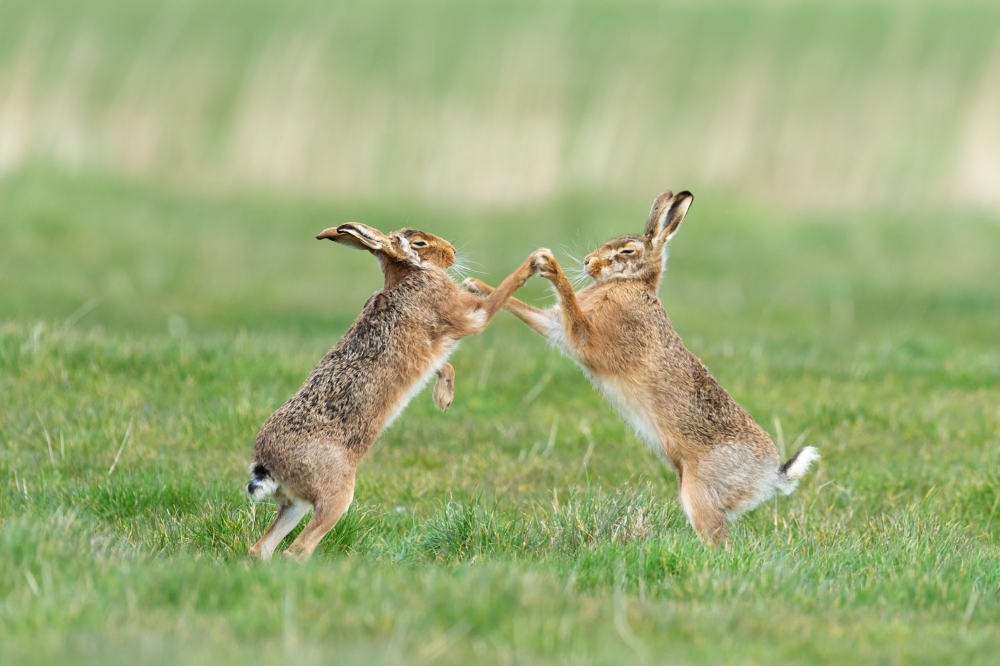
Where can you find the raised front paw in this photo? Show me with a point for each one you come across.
(545, 263)
(477, 287)
(444, 387)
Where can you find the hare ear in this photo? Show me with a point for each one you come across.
(337, 237)
(656, 213)
(355, 235)
(674, 210)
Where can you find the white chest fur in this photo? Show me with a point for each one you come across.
(439, 360)
(632, 409)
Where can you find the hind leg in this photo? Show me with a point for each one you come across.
(702, 509)
(290, 512)
(328, 512)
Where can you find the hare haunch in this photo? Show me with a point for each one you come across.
(308, 451)
(618, 332)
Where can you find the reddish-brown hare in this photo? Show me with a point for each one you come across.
(308, 451)
(618, 332)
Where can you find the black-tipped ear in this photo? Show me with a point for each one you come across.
(656, 213)
(345, 239)
(357, 236)
(675, 210)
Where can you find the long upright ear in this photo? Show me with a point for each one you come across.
(674, 210)
(656, 213)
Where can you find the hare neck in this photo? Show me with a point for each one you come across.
(631, 283)
(394, 272)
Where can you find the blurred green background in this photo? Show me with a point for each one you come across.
(838, 104)
(164, 168)
(173, 159)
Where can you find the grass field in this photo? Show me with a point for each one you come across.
(526, 524)
(161, 294)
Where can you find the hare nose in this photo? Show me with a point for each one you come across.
(586, 262)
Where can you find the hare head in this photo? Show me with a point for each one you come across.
(416, 249)
(641, 256)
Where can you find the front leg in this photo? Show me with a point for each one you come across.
(506, 289)
(540, 321)
(444, 387)
(576, 326)
(486, 308)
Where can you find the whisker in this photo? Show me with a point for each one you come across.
(576, 272)
(461, 269)
(457, 273)
(578, 278)
(462, 266)
(466, 261)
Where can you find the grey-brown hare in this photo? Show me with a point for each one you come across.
(617, 330)
(308, 451)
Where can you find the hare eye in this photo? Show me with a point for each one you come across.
(419, 243)
(626, 251)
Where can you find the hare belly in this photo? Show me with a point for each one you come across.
(440, 359)
(630, 409)
(551, 321)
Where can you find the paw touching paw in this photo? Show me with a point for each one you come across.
(545, 262)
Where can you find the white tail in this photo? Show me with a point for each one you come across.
(261, 485)
(796, 468)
